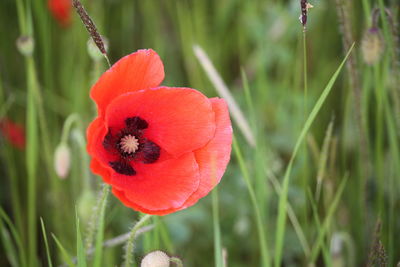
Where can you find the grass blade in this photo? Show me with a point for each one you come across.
(98, 252)
(327, 222)
(46, 243)
(64, 253)
(80, 249)
(265, 258)
(16, 237)
(217, 229)
(224, 92)
(282, 208)
(8, 245)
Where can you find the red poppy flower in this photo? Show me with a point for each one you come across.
(61, 11)
(13, 132)
(160, 148)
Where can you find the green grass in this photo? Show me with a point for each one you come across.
(298, 180)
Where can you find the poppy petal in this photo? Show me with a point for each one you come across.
(121, 196)
(161, 185)
(214, 157)
(96, 133)
(94, 127)
(140, 70)
(180, 120)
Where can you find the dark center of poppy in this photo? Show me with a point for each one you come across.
(130, 144)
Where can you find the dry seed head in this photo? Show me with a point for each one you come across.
(155, 259)
(372, 46)
(93, 51)
(90, 26)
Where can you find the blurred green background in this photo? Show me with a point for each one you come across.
(343, 185)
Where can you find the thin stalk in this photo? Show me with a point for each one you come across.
(100, 215)
(178, 262)
(31, 159)
(21, 16)
(81, 142)
(265, 257)
(71, 119)
(379, 153)
(217, 230)
(283, 198)
(130, 244)
(305, 69)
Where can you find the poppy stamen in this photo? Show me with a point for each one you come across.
(129, 144)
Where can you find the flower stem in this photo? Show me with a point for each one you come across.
(94, 220)
(305, 70)
(177, 261)
(67, 127)
(129, 247)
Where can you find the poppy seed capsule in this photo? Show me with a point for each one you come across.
(156, 258)
(62, 160)
(25, 45)
(372, 46)
(129, 144)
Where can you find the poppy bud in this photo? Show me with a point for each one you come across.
(62, 160)
(155, 259)
(94, 52)
(25, 45)
(372, 46)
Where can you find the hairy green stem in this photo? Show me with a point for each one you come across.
(130, 244)
(177, 261)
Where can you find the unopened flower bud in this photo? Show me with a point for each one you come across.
(62, 160)
(94, 52)
(372, 46)
(155, 259)
(25, 45)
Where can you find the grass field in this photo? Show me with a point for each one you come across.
(313, 178)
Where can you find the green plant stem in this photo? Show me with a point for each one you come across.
(283, 199)
(100, 215)
(177, 261)
(265, 258)
(80, 140)
(71, 119)
(31, 159)
(217, 230)
(130, 244)
(305, 69)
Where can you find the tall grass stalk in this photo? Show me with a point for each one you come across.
(305, 82)
(22, 250)
(265, 257)
(80, 248)
(100, 216)
(328, 221)
(223, 91)
(217, 230)
(49, 261)
(283, 199)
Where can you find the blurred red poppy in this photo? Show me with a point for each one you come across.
(61, 11)
(13, 132)
(160, 148)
